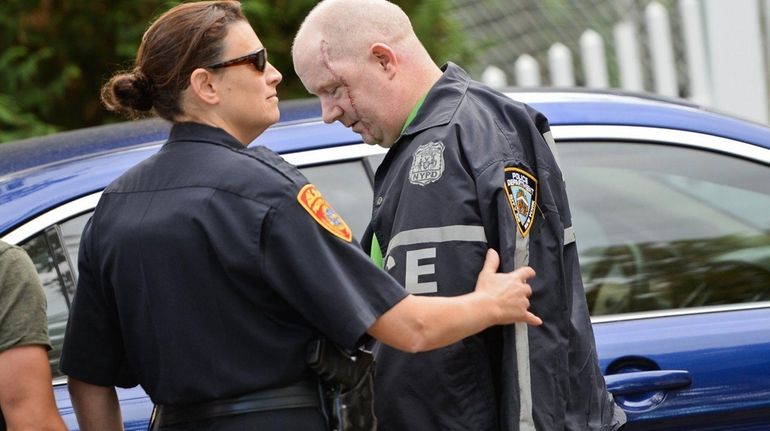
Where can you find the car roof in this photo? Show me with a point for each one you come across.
(40, 151)
(612, 107)
(38, 173)
(560, 106)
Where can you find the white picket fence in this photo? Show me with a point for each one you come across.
(725, 49)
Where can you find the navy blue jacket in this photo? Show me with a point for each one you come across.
(473, 170)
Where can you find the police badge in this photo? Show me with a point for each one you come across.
(427, 164)
(521, 188)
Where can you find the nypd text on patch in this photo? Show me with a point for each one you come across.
(427, 164)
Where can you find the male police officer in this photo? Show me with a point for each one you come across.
(467, 169)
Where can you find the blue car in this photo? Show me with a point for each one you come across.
(671, 207)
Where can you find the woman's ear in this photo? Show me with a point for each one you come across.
(203, 86)
(385, 57)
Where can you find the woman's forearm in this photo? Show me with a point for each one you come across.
(420, 323)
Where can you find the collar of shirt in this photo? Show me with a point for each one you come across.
(442, 98)
(414, 112)
(197, 132)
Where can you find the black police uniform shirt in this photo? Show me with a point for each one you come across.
(207, 269)
(474, 170)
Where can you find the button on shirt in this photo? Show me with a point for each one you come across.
(202, 276)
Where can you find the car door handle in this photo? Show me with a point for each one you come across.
(647, 381)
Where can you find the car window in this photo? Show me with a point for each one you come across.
(347, 186)
(46, 252)
(374, 162)
(71, 230)
(662, 227)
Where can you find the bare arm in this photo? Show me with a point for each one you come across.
(96, 407)
(26, 396)
(420, 323)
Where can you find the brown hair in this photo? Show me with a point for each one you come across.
(184, 38)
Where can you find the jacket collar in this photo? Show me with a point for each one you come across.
(197, 132)
(442, 100)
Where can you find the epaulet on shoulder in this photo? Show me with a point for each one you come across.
(273, 162)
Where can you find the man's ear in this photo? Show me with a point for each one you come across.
(386, 58)
(203, 85)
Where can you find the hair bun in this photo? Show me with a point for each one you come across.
(134, 91)
(146, 90)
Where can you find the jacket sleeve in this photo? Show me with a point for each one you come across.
(507, 191)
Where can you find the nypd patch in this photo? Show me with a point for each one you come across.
(315, 204)
(521, 188)
(427, 164)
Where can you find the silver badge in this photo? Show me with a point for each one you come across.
(427, 164)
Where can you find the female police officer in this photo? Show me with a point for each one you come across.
(207, 269)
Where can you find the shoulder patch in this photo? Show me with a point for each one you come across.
(427, 164)
(315, 204)
(521, 188)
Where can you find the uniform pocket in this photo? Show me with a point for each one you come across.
(469, 383)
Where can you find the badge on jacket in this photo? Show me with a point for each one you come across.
(427, 164)
(521, 188)
(315, 204)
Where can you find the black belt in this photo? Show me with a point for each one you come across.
(298, 395)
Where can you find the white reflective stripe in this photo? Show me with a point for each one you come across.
(569, 235)
(390, 263)
(552, 145)
(437, 234)
(521, 331)
(526, 421)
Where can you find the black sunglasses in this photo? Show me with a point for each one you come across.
(258, 59)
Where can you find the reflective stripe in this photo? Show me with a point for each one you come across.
(390, 263)
(569, 235)
(548, 136)
(526, 419)
(437, 234)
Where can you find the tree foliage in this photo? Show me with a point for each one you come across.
(55, 55)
